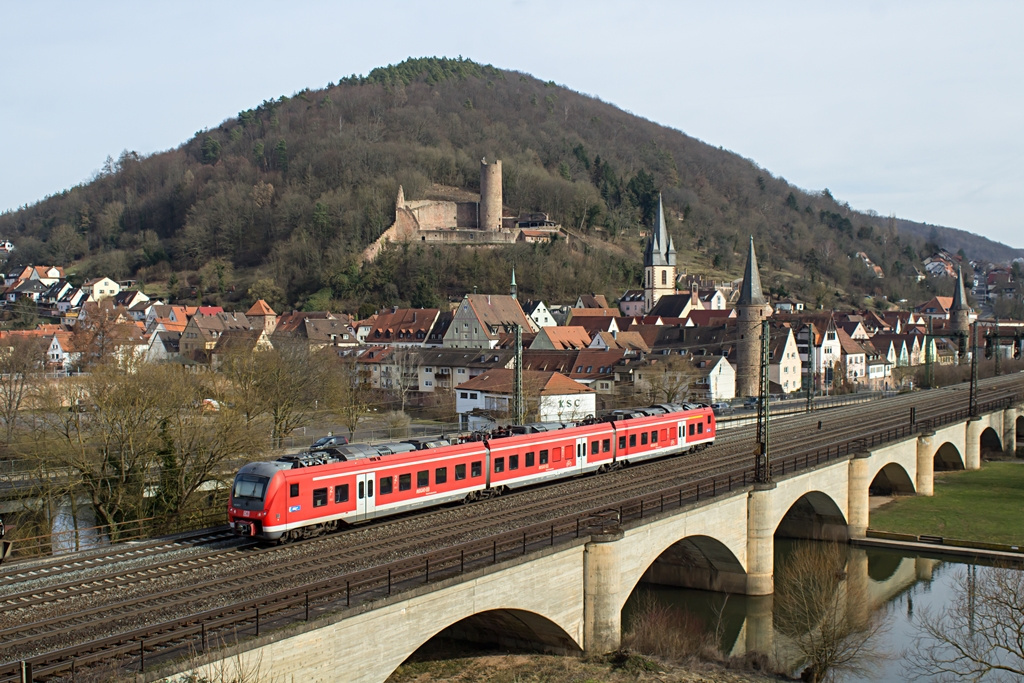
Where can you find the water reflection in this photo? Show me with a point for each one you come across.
(878, 584)
(73, 527)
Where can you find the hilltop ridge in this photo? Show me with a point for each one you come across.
(290, 192)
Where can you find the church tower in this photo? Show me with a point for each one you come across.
(659, 262)
(512, 289)
(960, 312)
(750, 313)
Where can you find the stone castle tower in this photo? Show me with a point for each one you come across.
(659, 262)
(750, 313)
(490, 195)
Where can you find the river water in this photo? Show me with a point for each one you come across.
(898, 585)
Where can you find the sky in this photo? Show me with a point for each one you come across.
(908, 108)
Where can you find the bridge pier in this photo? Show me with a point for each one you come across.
(857, 516)
(925, 479)
(602, 602)
(1010, 430)
(972, 447)
(760, 541)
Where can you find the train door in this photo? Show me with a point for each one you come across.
(364, 495)
(581, 453)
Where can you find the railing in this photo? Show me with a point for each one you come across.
(72, 540)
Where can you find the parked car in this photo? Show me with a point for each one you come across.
(750, 402)
(329, 441)
(721, 408)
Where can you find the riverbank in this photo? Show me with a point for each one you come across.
(980, 505)
(522, 668)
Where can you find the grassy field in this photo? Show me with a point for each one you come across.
(983, 505)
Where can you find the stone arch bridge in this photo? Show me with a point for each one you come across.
(569, 598)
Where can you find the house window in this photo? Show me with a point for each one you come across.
(473, 395)
(428, 369)
(664, 277)
(463, 394)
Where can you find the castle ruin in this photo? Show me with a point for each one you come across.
(482, 222)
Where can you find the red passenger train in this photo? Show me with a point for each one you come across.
(303, 495)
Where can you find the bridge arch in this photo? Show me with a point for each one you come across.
(698, 561)
(891, 479)
(506, 629)
(948, 457)
(815, 515)
(990, 440)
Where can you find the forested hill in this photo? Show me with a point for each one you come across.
(288, 193)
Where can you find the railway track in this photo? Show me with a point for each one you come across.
(364, 548)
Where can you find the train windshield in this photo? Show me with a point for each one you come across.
(250, 486)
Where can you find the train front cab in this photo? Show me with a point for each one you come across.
(254, 495)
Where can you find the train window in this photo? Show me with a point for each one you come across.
(404, 482)
(622, 442)
(680, 431)
(341, 493)
(632, 440)
(422, 478)
(606, 445)
(499, 464)
(440, 475)
(369, 489)
(513, 462)
(460, 472)
(700, 427)
(654, 436)
(556, 453)
(293, 490)
(319, 497)
(386, 485)
(544, 457)
(529, 459)
(360, 490)
(594, 446)
(643, 439)
(476, 469)
(693, 429)
(709, 419)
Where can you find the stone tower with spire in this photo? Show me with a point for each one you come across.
(659, 262)
(960, 312)
(750, 313)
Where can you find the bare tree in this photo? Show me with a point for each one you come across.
(812, 609)
(666, 379)
(980, 634)
(21, 361)
(347, 395)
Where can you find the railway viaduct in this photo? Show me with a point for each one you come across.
(569, 597)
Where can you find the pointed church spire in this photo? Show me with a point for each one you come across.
(750, 291)
(660, 249)
(513, 290)
(959, 296)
